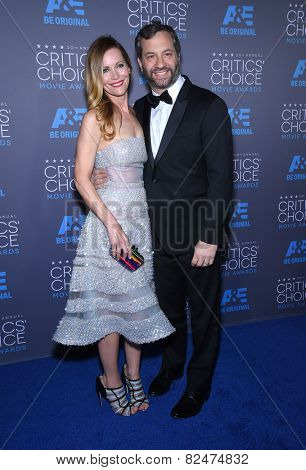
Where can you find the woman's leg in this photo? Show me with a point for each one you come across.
(108, 350)
(132, 369)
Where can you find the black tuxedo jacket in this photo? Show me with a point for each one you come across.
(189, 183)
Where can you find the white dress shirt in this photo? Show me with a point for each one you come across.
(160, 115)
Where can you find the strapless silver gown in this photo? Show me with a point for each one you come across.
(105, 297)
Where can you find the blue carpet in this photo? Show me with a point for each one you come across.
(257, 402)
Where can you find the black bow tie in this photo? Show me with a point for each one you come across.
(154, 100)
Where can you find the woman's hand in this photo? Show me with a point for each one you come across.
(120, 244)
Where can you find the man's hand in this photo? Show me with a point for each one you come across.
(204, 254)
(98, 177)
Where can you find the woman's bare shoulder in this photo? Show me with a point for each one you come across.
(90, 117)
(90, 123)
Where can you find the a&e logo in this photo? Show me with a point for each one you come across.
(65, 13)
(241, 124)
(238, 21)
(234, 300)
(296, 252)
(298, 79)
(65, 5)
(4, 292)
(66, 123)
(297, 169)
(70, 229)
(240, 217)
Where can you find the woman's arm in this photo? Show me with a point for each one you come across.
(87, 146)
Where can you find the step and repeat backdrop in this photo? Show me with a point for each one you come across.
(251, 53)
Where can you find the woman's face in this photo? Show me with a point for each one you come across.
(116, 73)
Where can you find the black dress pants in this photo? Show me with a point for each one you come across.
(176, 281)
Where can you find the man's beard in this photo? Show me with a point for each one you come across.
(162, 84)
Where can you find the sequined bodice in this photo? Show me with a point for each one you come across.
(123, 159)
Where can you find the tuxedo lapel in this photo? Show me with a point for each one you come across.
(146, 131)
(175, 118)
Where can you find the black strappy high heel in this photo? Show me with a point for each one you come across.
(135, 388)
(116, 397)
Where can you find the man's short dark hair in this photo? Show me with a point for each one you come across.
(148, 31)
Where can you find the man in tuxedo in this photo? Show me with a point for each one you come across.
(188, 179)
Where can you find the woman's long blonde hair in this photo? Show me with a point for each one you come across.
(105, 109)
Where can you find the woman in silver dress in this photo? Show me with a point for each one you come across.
(105, 299)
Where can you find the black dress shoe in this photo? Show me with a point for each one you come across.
(188, 406)
(160, 385)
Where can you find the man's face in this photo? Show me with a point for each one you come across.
(159, 62)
